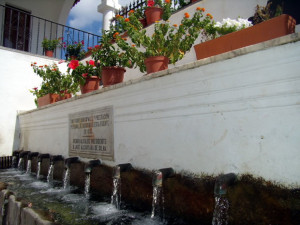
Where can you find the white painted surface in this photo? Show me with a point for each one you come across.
(108, 8)
(237, 114)
(17, 77)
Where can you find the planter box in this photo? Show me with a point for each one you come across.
(48, 99)
(267, 30)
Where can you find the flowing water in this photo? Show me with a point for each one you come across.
(116, 194)
(50, 173)
(20, 164)
(38, 170)
(66, 182)
(157, 203)
(70, 206)
(87, 185)
(220, 216)
(28, 170)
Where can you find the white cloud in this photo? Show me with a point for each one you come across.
(125, 2)
(84, 14)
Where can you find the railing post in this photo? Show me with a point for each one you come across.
(107, 8)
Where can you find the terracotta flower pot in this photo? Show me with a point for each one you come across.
(49, 53)
(267, 30)
(143, 21)
(65, 95)
(48, 99)
(91, 84)
(156, 63)
(112, 75)
(153, 14)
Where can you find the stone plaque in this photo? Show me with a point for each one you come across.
(91, 134)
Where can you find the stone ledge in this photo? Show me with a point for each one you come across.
(227, 55)
(16, 213)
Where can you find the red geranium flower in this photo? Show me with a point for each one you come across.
(92, 62)
(73, 64)
(82, 42)
(85, 75)
(151, 3)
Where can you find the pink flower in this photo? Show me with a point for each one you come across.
(35, 88)
(97, 46)
(73, 64)
(151, 3)
(75, 42)
(82, 42)
(85, 75)
(92, 62)
(89, 48)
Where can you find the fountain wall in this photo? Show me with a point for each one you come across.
(236, 112)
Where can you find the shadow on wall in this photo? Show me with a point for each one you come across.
(17, 135)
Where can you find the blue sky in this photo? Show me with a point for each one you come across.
(84, 16)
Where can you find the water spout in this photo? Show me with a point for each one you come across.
(40, 160)
(32, 155)
(220, 215)
(29, 159)
(91, 164)
(43, 156)
(55, 158)
(158, 197)
(15, 160)
(22, 155)
(70, 161)
(88, 169)
(116, 194)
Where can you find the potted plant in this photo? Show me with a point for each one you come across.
(112, 58)
(169, 42)
(230, 34)
(74, 50)
(50, 45)
(87, 75)
(157, 10)
(55, 85)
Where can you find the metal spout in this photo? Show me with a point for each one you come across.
(24, 153)
(43, 156)
(91, 164)
(223, 182)
(55, 158)
(70, 160)
(161, 175)
(121, 168)
(32, 154)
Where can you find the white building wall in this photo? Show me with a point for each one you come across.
(234, 112)
(17, 77)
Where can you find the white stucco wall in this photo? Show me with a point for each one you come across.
(54, 10)
(17, 77)
(234, 112)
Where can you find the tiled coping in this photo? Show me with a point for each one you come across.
(228, 55)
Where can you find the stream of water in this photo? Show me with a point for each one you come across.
(69, 205)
